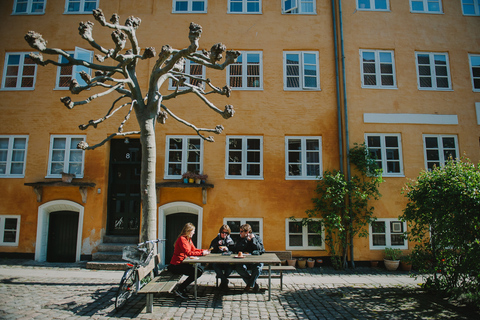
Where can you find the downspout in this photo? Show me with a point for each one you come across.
(345, 105)
(337, 74)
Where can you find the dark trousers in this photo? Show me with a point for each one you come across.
(186, 269)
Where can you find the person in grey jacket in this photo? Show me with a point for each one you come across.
(222, 243)
(253, 244)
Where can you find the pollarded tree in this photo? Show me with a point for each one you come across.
(120, 77)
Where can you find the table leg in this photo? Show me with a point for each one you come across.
(269, 281)
(195, 289)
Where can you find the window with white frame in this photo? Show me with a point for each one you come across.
(184, 153)
(19, 71)
(246, 72)
(80, 6)
(471, 7)
(65, 156)
(426, 6)
(9, 230)
(66, 73)
(244, 158)
(377, 69)
(438, 149)
(236, 223)
(387, 233)
(29, 7)
(189, 6)
(13, 156)
(373, 5)
(299, 6)
(195, 70)
(303, 158)
(300, 70)
(304, 236)
(386, 149)
(475, 71)
(245, 6)
(433, 71)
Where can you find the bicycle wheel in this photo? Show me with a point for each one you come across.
(128, 286)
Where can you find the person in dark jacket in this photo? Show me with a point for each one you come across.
(250, 243)
(222, 243)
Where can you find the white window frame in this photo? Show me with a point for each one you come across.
(189, 6)
(378, 70)
(372, 6)
(244, 154)
(2, 230)
(433, 75)
(476, 67)
(30, 7)
(440, 148)
(79, 54)
(244, 67)
(296, 7)
(304, 235)
(303, 157)
(425, 7)
(244, 6)
(10, 156)
(301, 76)
(66, 159)
(82, 6)
(19, 75)
(243, 221)
(384, 155)
(388, 235)
(187, 70)
(184, 163)
(476, 8)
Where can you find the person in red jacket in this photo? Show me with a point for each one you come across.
(184, 247)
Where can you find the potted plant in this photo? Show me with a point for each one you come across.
(292, 262)
(310, 262)
(406, 262)
(203, 178)
(373, 264)
(188, 177)
(67, 177)
(392, 258)
(302, 263)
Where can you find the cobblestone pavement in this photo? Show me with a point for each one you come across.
(30, 290)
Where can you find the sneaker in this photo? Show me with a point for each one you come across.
(224, 285)
(256, 288)
(180, 294)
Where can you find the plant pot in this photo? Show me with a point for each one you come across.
(373, 264)
(319, 262)
(197, 181)
(302, 263)
(405, 266)
(292, 262)
(283, 262)
(185, 180)
(311, 263)
(391, 265)
(67, 177)
(191, 180)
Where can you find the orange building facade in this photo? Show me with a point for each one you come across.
(409, 86)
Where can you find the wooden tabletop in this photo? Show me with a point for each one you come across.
(266, 258)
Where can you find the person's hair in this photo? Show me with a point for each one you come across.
(225, 227)
(246, 227)
(186, 229)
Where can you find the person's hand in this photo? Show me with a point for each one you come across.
(205, 252)
(250, 236)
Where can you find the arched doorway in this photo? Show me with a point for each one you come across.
(171, 219)
(43, 226)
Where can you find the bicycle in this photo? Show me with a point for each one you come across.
(130, 283)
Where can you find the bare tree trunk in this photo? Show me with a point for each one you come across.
(147, 179)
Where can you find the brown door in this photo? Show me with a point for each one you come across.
(62, 236)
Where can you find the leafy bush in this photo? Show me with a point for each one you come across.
(392, 254)
(444, 220)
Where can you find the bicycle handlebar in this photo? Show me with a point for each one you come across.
(151, 241)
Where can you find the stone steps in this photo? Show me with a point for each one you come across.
(109, 254)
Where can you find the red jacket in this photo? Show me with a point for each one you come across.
(184, 248)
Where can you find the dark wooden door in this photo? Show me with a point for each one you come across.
(174, 225)
(62, 236)
(123, 213)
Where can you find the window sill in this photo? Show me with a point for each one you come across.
(183, 185)
(82, 186)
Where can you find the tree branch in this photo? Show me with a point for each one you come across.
(95, 123)
(84, 145)
(67, 101)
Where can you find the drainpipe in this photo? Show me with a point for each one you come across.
(343, 90)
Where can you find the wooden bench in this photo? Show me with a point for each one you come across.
(278, 269)
(164, 282)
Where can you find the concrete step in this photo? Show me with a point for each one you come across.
(121, 239)
(107, 256)
(112, 247)
(106, 265)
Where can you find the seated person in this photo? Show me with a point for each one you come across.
(249, 242)
(222, 243)
(184, 247)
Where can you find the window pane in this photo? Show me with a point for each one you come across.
(378, 227)
(314, 240)
(379, 240)
(255, 226)
(431, 142)
(294, 170)
(295, 240)
(433, 155)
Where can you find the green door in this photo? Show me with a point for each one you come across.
(123, 213)
(174, 225)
